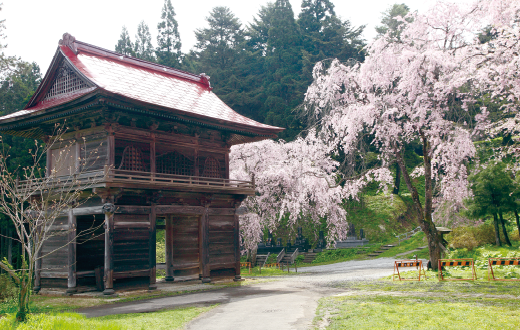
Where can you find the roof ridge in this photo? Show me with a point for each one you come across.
(76, 46)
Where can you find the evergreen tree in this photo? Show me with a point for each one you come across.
(389, 21)
(124, 44)
(283, 86)
(143, 44)
(218, 46)
(168, 40)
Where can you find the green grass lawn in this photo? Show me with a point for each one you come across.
(169, 319)
(390, 312)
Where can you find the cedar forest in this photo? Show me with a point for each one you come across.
(428, 110)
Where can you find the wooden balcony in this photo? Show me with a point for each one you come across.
(112, 178)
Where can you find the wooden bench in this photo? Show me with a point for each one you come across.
(465, 262)
(408, 264)
(501, 262)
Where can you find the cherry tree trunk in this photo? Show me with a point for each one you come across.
(504, 230)
(424, 216)
(497, 230)
(517, 222)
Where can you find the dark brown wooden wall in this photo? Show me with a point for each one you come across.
(221, 245)
(54, 265)
(185, 245)
(131, 242)
(90, 247)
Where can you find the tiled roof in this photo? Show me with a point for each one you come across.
(182, 92)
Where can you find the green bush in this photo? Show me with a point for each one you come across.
(470, 237)
(332, 255)
(8, 290)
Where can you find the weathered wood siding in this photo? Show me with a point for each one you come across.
(131, 242)
(90, 247)
(185, 252)
(55, 251)
(221, 244)
(94, 154)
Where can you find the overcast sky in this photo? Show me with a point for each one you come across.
(34, 27)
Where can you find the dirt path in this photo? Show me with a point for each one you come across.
(287, 303)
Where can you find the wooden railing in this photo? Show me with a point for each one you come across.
(173, 179)
(280, 256)
(122, 176)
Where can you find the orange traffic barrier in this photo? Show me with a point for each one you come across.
(465, 262)
(246, 264)
(501, 262)
(407, 264)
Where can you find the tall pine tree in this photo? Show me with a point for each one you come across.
(124, 44)
(143, 44)
(168, 40)
(283, 86)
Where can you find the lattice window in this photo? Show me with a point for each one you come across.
(132, 160)
(66, 81)
(174, 163)
(211, 168)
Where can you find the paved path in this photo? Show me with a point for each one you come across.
(289, 303)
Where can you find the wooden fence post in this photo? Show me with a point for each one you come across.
(152, 251)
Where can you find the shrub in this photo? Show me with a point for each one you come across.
(470, 237)
(8, 289)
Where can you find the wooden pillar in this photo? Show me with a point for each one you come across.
(152, 156)
(152, 252)
(236, 243)
(71, 278)
(196, 162)
(49, 162)
(169, 248)
(204, 246)
(109, 254)
(111, 150)
(77, 156)
(226, 174)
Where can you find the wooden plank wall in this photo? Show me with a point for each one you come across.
(95, 153)
(221, 245)
(131, 244)
(90, 249)
(185, 250)
(54, 265)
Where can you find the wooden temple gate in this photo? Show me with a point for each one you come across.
(156, 141)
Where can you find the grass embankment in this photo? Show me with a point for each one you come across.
(411, 312)
(170, 319)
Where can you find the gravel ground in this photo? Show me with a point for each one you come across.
(288, 303)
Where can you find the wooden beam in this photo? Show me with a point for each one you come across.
(120, 209)
(191, 210)
(71, 257)
(109, 254)
(204, 245)
(236, 242)
(169, 248)
(178, 209)
(152, 251)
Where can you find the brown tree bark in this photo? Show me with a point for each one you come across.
(424, 216)
(504, 230)
(517, 222)
(397, 181)
(497, 230)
